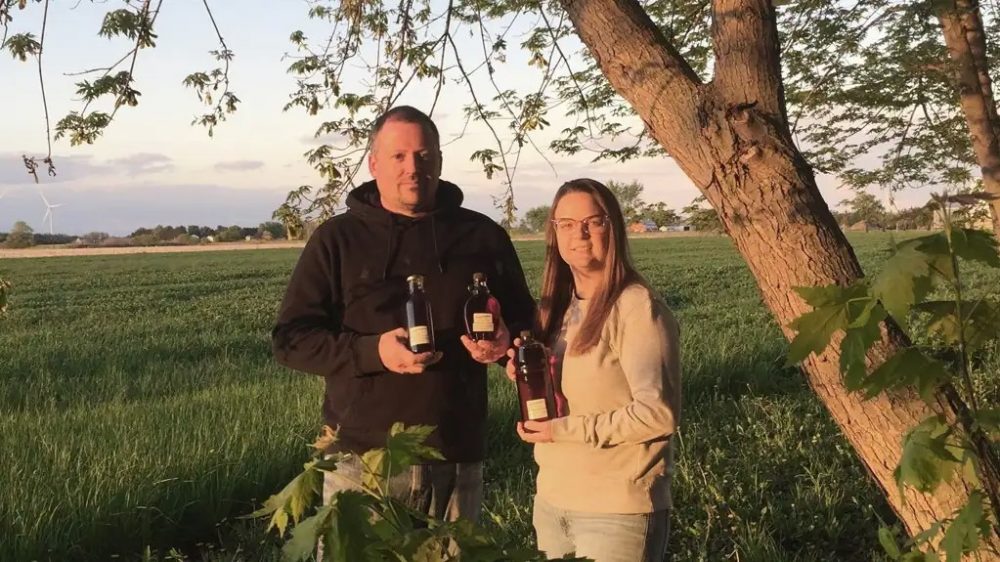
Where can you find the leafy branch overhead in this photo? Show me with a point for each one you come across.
(909, 289)
(115, 82)
(849, 75)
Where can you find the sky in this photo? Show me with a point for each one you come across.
(151, 166)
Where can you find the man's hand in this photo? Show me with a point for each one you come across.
(535, 431)
(488, 351)
(397, 357)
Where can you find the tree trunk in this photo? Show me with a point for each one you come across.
(966, 42)
(731, 137)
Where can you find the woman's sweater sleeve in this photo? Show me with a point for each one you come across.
(646, 340)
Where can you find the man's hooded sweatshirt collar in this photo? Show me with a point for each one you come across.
(365, 202)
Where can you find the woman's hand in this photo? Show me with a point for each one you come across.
(511, 368)
(535, 431)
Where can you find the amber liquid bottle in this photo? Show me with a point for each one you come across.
(419, 323)
(482, 311)
(533, 380)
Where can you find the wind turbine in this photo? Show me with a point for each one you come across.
(48, 211)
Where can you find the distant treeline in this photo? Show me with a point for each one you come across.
(22, 236)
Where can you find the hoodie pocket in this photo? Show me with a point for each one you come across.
(349, 399)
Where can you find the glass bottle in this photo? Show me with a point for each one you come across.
(533, 380)
(419, 322)
(482, 311)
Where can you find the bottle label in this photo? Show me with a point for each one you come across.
(536, 409)
(419, 335)
(482, 322)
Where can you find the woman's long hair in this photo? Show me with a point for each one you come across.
(557, 279)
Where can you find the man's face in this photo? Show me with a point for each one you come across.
(406, 164)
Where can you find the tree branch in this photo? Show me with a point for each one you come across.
(747, 56)
(41, 82)
(648, 71)
(444, 51)
(876, 18)
(485, 119)
(972, 22)
(572, 75)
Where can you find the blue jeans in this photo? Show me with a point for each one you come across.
(602, 537)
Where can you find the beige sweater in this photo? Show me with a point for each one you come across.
(612, 452)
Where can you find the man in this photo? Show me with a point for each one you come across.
(343, 316)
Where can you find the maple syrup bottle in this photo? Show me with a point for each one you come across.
(482, 311)
(419, 323)
(533, 380)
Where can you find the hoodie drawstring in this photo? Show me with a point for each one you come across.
(437, 251)
(389, 248)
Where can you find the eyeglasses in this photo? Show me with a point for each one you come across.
(595, 223)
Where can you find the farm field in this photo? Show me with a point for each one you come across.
(141, 413)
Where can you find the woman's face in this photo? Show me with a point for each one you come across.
(582, 231)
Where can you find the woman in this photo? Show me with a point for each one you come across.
(604, 467)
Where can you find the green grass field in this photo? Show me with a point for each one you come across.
(140, 408)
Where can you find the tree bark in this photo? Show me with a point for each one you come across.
(963, 35)
(731, 137)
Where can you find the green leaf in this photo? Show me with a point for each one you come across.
(349, 530)
(976, 245)
(375, 463)
(888, 541)
(938, 252)
(82, 130)
(963, 534)
(431, 550)
(412, 541)
(859, 337)
(943, 320)
(832, 312)
(907, 367)
(900, 284)
(989, 421)
(404, 448)
(305, 536)
(927, 458)
(134, 25)
(23, 45)
(821, 296)
(297, 496)
(981, 321)
(917, 556)
(928, 536)
(410, 440)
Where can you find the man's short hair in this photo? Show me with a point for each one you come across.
(407, 114)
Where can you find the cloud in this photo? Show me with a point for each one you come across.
(13, 172)
(77, 167)
(238, 165)
(142, 163)
(335, 139)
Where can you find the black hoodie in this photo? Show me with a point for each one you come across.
(349, 287)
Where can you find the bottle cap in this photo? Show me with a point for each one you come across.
(525, 334)
(415, 278)
(478, 276)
